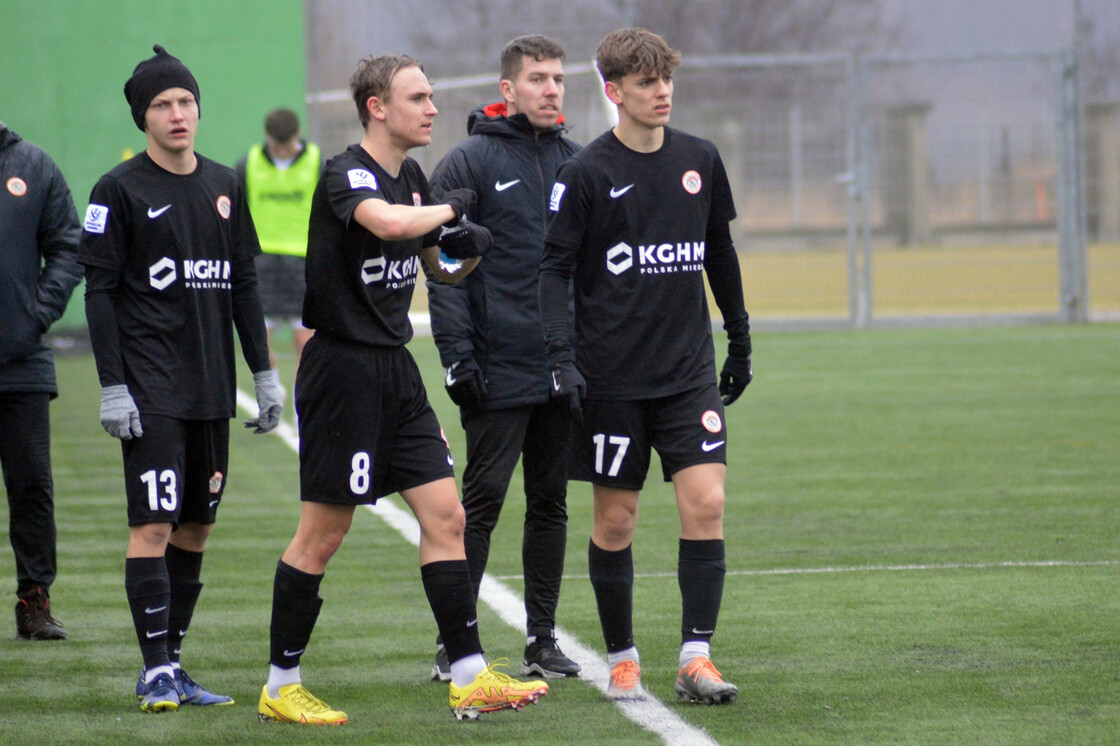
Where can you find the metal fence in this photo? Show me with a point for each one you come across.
(880, 189)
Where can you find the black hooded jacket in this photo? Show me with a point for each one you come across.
(493, 314)
(39, 233)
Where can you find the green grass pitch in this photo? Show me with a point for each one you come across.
(922, 548)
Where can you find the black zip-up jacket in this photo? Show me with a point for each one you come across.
(39, 233)
(493, 314)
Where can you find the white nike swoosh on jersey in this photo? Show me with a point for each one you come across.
(156, 213)
(501, 186)
(293, 653)
(616, 193)
(156, 610)
(555, 381)
(155, 634)
(706, 446)
(449, 379)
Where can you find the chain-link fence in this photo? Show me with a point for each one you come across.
(880, 189)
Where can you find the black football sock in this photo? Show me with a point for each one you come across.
(612, 578)
(295, 608)
(149, 597)
(447, 584)
(700, 571)
(183, 570)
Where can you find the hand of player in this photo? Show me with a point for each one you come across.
(270, 402)
(568, 383)
(465, 241)
(119, 415)
(458, 200)
(735, 376)
(465, 384)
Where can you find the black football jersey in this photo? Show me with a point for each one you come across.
(176, 240)
(359, 287)
(631, 227)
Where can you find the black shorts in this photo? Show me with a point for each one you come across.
(281, 282)
(176, 473)
(365, 426)
(613, 449)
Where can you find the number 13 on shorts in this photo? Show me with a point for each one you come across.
(619, 443)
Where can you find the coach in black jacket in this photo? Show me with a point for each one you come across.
(39, 232)
(488, 332)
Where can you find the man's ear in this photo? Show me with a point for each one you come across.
(375, 109)
(613, 92)
(506, 87)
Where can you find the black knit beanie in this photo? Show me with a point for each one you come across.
(153, 76)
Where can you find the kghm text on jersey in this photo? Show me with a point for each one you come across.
(657, 258)
(204, 274)
(393, 274)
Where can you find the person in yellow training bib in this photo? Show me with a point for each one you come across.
(279, 176)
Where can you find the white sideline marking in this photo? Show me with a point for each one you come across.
(651, 714)
(870, 568)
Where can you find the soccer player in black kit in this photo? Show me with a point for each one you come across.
(639, 215)
(366, 428)
(168, 246)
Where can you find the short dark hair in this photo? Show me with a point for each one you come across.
(634, 50)
(531, 45)
(374, 77)
(281, 124)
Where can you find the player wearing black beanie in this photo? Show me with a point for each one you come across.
(153, 76)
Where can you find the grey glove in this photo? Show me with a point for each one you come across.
(270, 400)
(119, 415)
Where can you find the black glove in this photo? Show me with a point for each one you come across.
(465, 384)
(458, 200)
(568, 383)
(736, 373)
(465, 241)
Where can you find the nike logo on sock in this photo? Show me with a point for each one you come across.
(293, 653)
(156, 213)
(156, 610)
(152, 635)
(703, 631)
(472, 622)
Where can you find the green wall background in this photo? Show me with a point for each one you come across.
(63, 65)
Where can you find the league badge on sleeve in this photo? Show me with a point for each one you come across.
(97, 217)
(557, 194)
(361, 179)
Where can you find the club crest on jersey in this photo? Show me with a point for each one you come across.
(97, 217)
(691, 182)
(557, 195)
(416, 199)
(361, 179)
(711, 421)
(17, 186)
(224, 206)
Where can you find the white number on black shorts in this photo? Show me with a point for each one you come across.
(170, 497)
(600, 447)
(359, 473)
